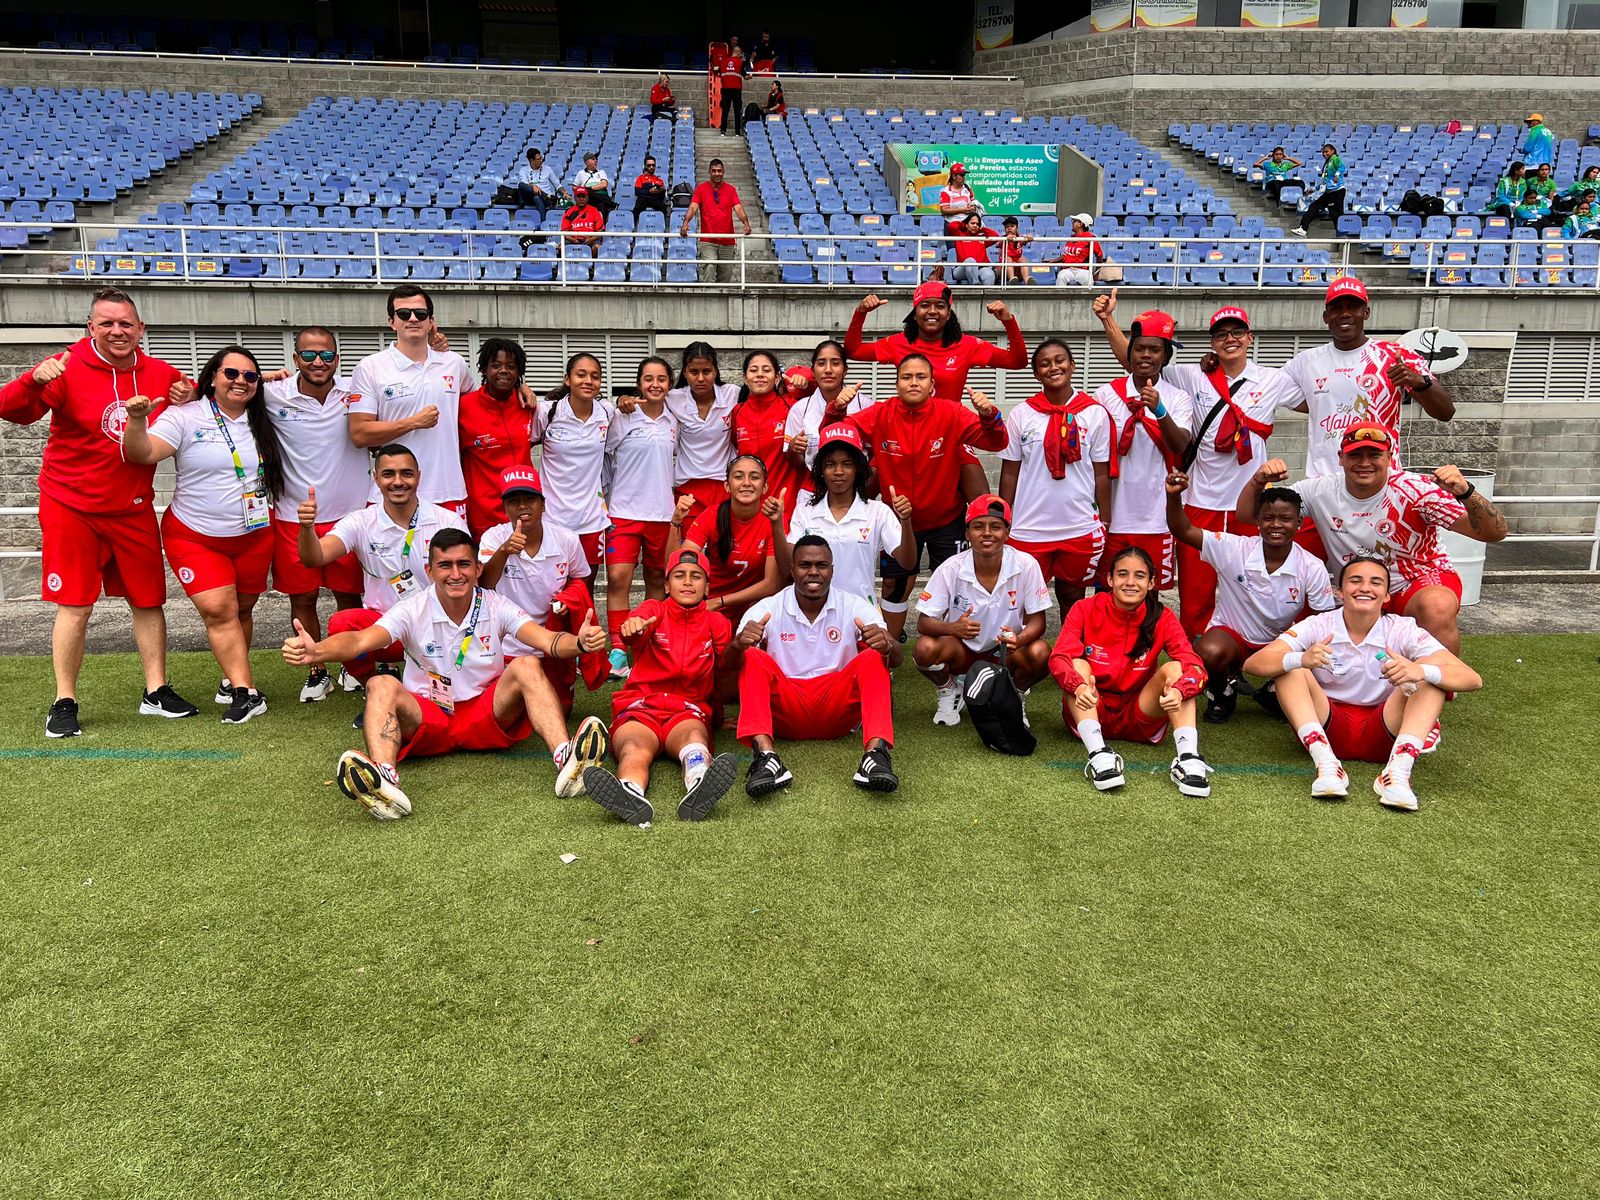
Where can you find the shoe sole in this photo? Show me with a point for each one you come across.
(1343, 792)
(1393, 805)
(761, 790)
(941, 719)
(589, 747)
(1198, 791)
(250, 714)
(318, 696)
(74, 733)
(606, 790)
(876, 783)
(698, 802)
(155, 710)
(360, 779)
(1108, 785)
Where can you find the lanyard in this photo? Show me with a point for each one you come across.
(472, 626)
(222, 428)
(411, 532)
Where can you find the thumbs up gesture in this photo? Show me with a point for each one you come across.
(1319, 655)
(300, 650)
(900, 504)
(590, 636)
(181, 391)
(307, 512)
(52, 368)
(138, 407)
(754, 632)
(772, 507)
(965, 627)
(634, 626)
(873, 637)
(981, 402)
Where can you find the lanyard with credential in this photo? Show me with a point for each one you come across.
(472, 626)
(411, 532)
(222, 428)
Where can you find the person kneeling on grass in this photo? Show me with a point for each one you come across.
(1362, 683)
(665, 706)
(458, 692)
(1112, 687)
(816, 664)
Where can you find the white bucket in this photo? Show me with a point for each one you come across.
(1466, 554)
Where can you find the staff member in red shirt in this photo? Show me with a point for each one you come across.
(661, 102)
(677, 648)
(96, 510)
(649, 190)
(972, 263)
(1079, 254)
(496, 430)
(716, 203)
(932, 330)
(583, 222)
(732, 73)
(759, 422)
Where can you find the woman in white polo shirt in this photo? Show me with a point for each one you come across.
(703, 407)
(572, 424)
(217, 533)
(840, 510)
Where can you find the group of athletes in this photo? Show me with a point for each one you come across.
(780, 522)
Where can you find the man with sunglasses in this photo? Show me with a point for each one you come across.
(412, 393)
(649, 190)
(309, 412)
(716, 203)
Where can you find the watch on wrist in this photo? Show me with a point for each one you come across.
(1470, 489)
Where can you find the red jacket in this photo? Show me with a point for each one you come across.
(733, 73)
(1102, 634)
(660, 93)
(916, 451)
(758, 430)
(585, 219)
(494, 435)
(950, 363)
(83, 465)
(678, 655)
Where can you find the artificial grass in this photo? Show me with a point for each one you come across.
(220, 978)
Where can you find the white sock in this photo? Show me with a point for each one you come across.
(695, 757)
(1089, 734)
(559, 754)
(1315, 739)
(1404, 756)
(1186, 738)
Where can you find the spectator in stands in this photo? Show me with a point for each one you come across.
(763, 55)
(661, 101)
(1543, 183)
(956, 201)
(776, 104)
(583, 222)
(1011, 244)
(1589, 185)
(1539, 147)
(1509, 191)
(1280, 170)
(972, 253)
(1582, 222)
(595, 181)
(1079, 254)
(537, 185)
(1329, 201)
(716, 203)
(734, 68)
(649, 190)
(1533, 211)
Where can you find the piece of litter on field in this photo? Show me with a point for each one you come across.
(327, 783)
(1519, 660)
(569, 859)
(88, 882)
(593, 941)
(642, 825)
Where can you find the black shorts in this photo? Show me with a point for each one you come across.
(941, 543)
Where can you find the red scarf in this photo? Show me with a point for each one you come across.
(1138, 417)
(1062, 441)
(1234, 427)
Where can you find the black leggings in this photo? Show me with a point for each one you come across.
(733, 109)
(1330, 204)
(942, 542)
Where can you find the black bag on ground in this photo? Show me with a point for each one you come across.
(996, 710)
(1421, 204)
(506, 197)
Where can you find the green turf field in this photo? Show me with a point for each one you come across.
(222, 979)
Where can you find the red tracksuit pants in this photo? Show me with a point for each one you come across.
(827, 706)
(353, 620)
(1197, 582)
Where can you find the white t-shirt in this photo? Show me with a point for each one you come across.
(317, 451)
(391, 387)
(391, 569)
(529, 581)
(866, 530)
(1343, 387)
(433, 641)
(1256, 604)
(1400, 524)
(1018, 593)
(209, 495)
(1217, 477)
(572, 463)
(1048, 509)
(1139, 494)
(1355, 676)
(805, 416)
(705, 447)
(641, 450)
(805, 649)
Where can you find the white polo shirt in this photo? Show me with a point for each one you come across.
(317, 450)
(705, 446)
(391, 387)
(1018, 593)
(572, 463)
(641, 449)
(1355, 676)
(1257, 604)
(209, 495)
(805, 416)
(380, 547)
(432, 641)
(868, 529)
(1139, 493)
(530, 580)
(805, 649)
(1048, 509)
(1218, 477)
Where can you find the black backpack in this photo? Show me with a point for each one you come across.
(681, 194)
(996, 710)
(1421, 204)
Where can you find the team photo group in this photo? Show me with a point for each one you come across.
(806, 551)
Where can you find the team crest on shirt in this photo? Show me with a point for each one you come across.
(888, 445)
(388, 391)
(833, 634)
(865, 534)
(1011, 598)
(114, 420)
(951, 361)
(1370, 382)
(1385, 528)
(1294, 593)
(483, 640)
(1238, 578)
(561, 568)
(1338, 522)
(351, 397)
(53, 583)
(449, 380)
(430, 648)
(935, 446)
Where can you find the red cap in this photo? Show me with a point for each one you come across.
(954, 167)
(1231, 313)
(1367, 433)
(839, 431)
(689, 556)
(579, 191)
(933, 289)
(800, 381)
(520, 479)
(988, 506)
(1346, 285)
(1156, 324)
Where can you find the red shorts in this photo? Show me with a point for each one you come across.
(85, 551)
(202, 562)
(593, 545)
(1071, 561)
(1122, 720)
(1246, 648)
(471, 727)
(628, 538)
(707, 493)
(1159, 546)
(660, 713)
(1357, 731)
(1397, 602)
(293, 578)
(1197, 582)
(353, 620)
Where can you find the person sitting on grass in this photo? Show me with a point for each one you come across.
(1106, 661)
(458, 692)
(1263, 584)
(1360, 682)
(665, 706)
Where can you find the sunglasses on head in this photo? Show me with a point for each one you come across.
(1376, 436)
(233, 373)
(413, 314)
(311, 356)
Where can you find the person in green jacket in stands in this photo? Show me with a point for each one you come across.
(1543, 183)
(1582, 223)
(1539, 146)
(1508, 192)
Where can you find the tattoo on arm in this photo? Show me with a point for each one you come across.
(1485, 517)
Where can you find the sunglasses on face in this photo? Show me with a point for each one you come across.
(233, 374)
(311, 356)
(413, 314)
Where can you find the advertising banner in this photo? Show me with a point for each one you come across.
(1165, 14)
(1003, 179)
(1107, 15)
(1408, 14)
(994, 23)
(1281, 14)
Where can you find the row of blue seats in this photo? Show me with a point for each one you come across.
(541, 269)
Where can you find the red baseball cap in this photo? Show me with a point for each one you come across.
(801, 380)
(989, 506)
(1346, 285)
(687, 557)
(520, 479)
(579, 191)
(1367, 433)
(1156, 324)
(933, 289)
(1231, 312)
(840, 431)
(958, 168)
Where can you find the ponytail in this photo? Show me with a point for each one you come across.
(562, 390)
(725, 529)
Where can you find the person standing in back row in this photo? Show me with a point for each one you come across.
(716, 203)
(733, 71)
(1329, 201)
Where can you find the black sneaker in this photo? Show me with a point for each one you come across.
(224, 694)
(247, 704)
(1220, 706)
(164, 702)
(63, 719)
(875, 773)
(766, 775)
(699, 800)
(621, 800)
(360, 720)
(1192, 774)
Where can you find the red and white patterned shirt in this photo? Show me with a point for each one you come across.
(1343, 387)
(1399, 524)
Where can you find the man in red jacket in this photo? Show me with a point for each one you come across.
(96, 510)
(915, 440)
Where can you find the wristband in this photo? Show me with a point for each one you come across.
(1466, 495)
(1293, 659)
(1160, 410)
(1432, 674)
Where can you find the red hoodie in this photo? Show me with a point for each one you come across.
(916, 451)
(677, 656)
(83, 465)
(950, 363)
(1102, 634)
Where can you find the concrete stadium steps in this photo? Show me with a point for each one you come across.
(739, 171)
(1245, 199)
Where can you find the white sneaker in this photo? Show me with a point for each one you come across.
(1394, 793)
(224, 694)
(947, 708)
(318, 686)
(586, 749)
(1104, 770)
(1331, 782)
(1431, 742)
(374, 786)
(1298, 232)
(1192, 775)
(349, 682)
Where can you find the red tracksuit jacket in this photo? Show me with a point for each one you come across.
(950, 363)
(758, 430)
(1102, 634)
(917, 452)
(677, 656)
